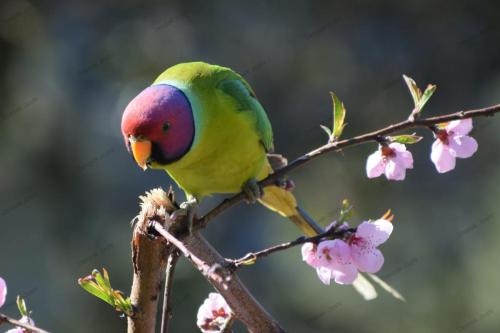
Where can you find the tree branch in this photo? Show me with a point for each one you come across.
(169, 279)
(217, 271)
(15, 322)
(211, 272)
(253, 256)
(342, 144)
(154, 221)
(149, 262)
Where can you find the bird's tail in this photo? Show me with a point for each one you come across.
(284, 203)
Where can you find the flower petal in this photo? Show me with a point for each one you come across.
(367, 259)
(460, 127)
(334, 251)
(3, 291)
(217, 302)
(398, 147)
(395, 170)
(463, 145)
(324, 275)
(309, 254)
(405, 158)
(375, 165)
(442, 157)
(212, 313)
(376, 232)
(344, 274)
(15, 330)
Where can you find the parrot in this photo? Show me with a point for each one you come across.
(204, 126)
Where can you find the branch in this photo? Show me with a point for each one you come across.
(154, 221)
(251, 257)
(149, 263)
(169, 279)
(15, 322)
(217, 271)
(342, 144)
(211, 272)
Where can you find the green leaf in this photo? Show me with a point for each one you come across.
(99, 285)
(414, 90)
(419, 99)
(102, 280)
(327, 130)
(21, 305)
(387, 287)
(93, 288)
(338, 117)
(406, 139)
(431, 88)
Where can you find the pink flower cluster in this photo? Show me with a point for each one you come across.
(452, 141)
(24, 319)
(213, 313)
(341, 259)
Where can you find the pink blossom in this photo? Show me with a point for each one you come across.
(213, 313)
(392, 160)
(309, 249)
(340, 260)
(3, 292)
(335, 262)
(451, 142)
(364, 253)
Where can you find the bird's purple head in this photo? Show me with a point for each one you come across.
(158, 125)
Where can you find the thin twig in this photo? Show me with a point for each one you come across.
(167, 297)
(15, 322)
(207, 270)
(342, 144)
(253, 256)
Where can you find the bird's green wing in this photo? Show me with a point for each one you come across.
(237, 88)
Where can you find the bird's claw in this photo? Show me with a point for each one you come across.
(186, 209)
(181, 212)
(286, 184)
(253, 191)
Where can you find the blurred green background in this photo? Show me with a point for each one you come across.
(68, 188)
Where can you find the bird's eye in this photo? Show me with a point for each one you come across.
(166, 126)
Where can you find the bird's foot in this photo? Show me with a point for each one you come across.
(252, 190)
(187, 209)
(286, 184)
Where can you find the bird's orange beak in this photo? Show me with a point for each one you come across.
(141, 149)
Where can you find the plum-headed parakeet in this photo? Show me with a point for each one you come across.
(204, 125)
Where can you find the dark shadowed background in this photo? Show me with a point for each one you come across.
(68, 189)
